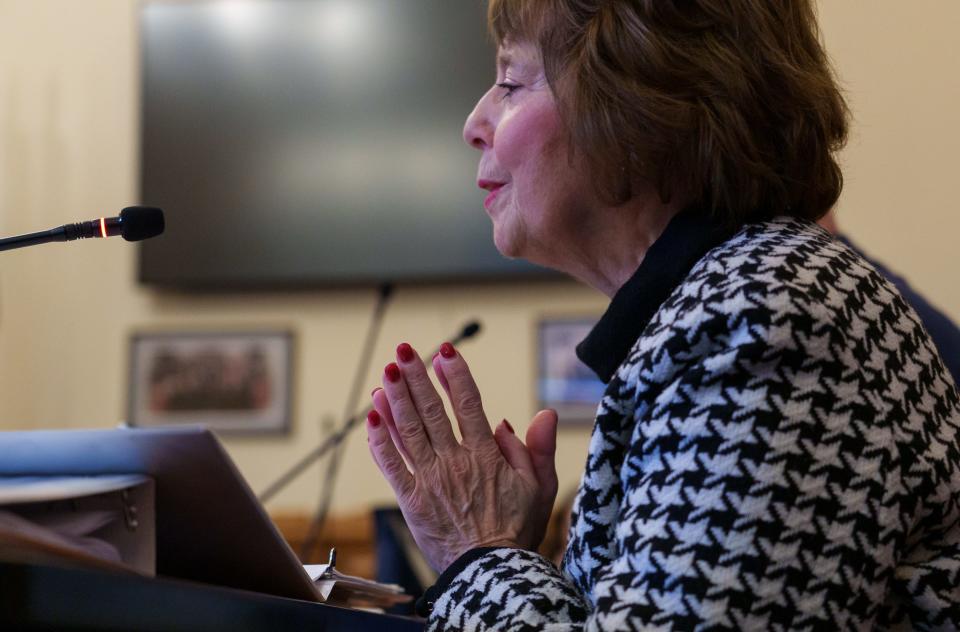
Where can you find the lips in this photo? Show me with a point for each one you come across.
(493, 187)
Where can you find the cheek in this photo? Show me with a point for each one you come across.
(526, 136)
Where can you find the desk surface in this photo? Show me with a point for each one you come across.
(47, 598)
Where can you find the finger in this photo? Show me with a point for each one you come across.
(387, 456)
(464, 397)
(542, 446)
(382, 406)
(426, 400)
(513, 450)
(438, 371)
(407, 420)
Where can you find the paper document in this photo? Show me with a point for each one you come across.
(348, 590)
(15, 490)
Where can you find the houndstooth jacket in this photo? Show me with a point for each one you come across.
(777, 449)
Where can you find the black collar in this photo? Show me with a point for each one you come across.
(686, 239)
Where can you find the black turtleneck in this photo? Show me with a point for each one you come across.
(687, 238)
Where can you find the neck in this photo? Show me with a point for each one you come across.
(613, 241)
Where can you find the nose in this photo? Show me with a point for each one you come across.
(478, 130)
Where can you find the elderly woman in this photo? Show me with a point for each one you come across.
(777, 447)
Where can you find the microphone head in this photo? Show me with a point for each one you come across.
(470, 330)
(386, 289)
(141, 222)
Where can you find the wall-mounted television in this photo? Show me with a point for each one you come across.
(314, 142)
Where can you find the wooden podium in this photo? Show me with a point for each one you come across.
(46, 598)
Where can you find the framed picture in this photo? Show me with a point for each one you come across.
(564, 383)
(231, 382)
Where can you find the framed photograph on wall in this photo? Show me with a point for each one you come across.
(564, 383)
(231, 382)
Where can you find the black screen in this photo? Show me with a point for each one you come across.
(306, 142)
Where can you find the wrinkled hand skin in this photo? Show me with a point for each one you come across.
(489, 489)
(468, 500)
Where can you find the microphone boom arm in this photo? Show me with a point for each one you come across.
(105, 227)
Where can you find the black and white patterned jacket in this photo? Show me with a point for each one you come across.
(777, 448)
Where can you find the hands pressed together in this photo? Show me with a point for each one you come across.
(489, 489)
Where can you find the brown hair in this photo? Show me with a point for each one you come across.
(730, 104)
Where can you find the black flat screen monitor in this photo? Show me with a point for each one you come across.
(312, 142)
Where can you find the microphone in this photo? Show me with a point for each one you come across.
(470, 330)
(134, 224)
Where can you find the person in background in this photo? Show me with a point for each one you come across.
(943, 331)
(778, 444)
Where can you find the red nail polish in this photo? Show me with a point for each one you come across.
(447, 350)
(392, 372)
(373, 418)
(405, 352)
(509, 427)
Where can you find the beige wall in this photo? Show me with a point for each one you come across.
(68, 150)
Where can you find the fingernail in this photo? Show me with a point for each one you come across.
(509, 427)
(405, 352)
(447, 350)
(392, 372)
(374, 391)
(373, 418)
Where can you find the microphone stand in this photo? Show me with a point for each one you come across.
(333, 441)
(316, 525)
(337, 437)
(315, 455)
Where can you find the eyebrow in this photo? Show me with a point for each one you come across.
(519, 63)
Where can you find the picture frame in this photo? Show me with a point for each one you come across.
(564, 383)
(233, 382)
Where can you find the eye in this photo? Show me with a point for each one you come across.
(509, 88)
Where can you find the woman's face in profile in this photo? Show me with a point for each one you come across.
(536, 195)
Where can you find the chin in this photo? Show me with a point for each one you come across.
(507, 243)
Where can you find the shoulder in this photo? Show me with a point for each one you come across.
(784, 287)
(943, 331)
(784, 267)
(781, 269)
